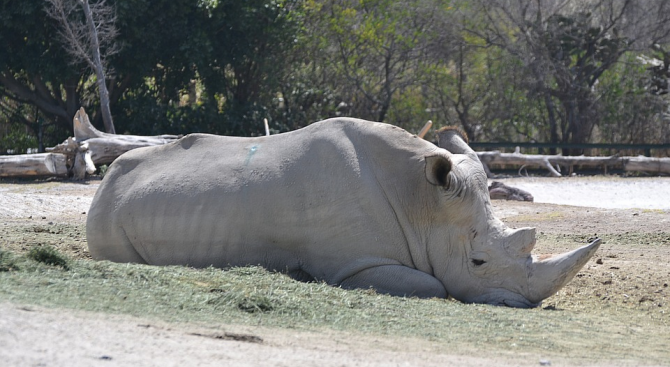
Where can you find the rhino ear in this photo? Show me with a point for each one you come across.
(437, 169)
(455, 141)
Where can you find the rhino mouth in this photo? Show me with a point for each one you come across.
(517, 304)
(506, 298)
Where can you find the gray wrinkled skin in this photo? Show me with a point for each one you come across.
(353, 203)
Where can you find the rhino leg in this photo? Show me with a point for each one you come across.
(397, 280)
(104, 243)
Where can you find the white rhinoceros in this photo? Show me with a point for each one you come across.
(352, 203)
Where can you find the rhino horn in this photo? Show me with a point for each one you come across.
(547, 276)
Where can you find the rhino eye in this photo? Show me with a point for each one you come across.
(478, 262)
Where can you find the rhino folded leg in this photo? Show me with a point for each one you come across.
(397, 280)
(116, 246)
(300, 275)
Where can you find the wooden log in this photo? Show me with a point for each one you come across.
(646, 164)
(517, 159)
(77, 156)
(84, 130)
(105, 151)
(103, 148)
(27, 165)
(548, 161)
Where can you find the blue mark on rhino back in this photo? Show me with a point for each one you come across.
(251, 153)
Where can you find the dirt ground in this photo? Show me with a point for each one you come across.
(630, 270)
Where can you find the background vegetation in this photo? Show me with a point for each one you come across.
(516, 70)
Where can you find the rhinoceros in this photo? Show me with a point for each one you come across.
(348, 202)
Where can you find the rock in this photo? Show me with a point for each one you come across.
(499, 190)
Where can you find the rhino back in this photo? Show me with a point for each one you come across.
(311, 200)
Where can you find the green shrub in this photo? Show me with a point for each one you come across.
(102, 170)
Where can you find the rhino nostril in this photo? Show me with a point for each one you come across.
(478, 262)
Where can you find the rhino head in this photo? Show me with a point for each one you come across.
(490, 263)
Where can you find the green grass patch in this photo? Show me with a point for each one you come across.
(253, 296)
(49, 256)
(7, 261)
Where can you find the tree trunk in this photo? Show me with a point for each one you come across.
(553, 126)
(99, 70)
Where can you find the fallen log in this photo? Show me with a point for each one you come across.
(77, 156)
(553, 163)
(104, 148)
(42, 164)
(516, 159)
(646, 164)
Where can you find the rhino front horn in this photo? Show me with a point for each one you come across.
(547, 276)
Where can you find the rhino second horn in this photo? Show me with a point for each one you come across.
(520, 242)
(547, 276)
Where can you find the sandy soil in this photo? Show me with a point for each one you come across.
(32, 336)
(631, 269)
(611, 192)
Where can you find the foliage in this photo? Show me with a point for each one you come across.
(166, 48)
(565, 49)
(102, 170)
(378, 47)
(630, 113)
(16, 141)
(516, 71)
